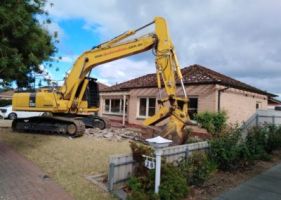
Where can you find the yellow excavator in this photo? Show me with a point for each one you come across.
(71, 107)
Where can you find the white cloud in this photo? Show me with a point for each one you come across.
(104, 81)
(68, 58)
(122, 70)
(236, 37)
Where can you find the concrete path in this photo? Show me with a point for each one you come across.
(266, 186)
(20, 179)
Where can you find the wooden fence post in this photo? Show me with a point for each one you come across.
(111, 176)
(257, 120)
(186, 153)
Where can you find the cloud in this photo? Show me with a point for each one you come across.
(235, 37)
(122, 70)
(68, 58)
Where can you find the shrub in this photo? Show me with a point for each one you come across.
(135, 184)
(274, 138)
(139, 188)
(256, 142)
(139, 149)
(136, 195)
(228, 151)
(197, 168)
(173, 185)
(214, 122)
(263, 140)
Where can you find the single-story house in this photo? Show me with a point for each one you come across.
(274, 104)
(6, 95)
(134, 100)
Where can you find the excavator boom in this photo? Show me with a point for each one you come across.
(74, 97)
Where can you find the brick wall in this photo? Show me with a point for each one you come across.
(206, 100)
(238, 104)
(241, 105)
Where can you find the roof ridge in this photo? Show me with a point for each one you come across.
(193, 74)
(214, 73)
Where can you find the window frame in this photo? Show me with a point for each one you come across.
(109, 112)
(147, 107)
(258, 105)
(193, 109)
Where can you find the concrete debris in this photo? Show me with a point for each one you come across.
(115, 134)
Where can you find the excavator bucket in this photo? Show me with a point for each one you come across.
(175, 130)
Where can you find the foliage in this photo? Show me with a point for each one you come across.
(228, 151)
(137, 195)
(274, 138)
(5, 102)
(263, 140)
(214, 122)
(256, 142)
(24, 43)
(138, 150)
(138, 187)
(173, 185)
(197, 168)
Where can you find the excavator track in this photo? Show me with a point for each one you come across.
(53, 125)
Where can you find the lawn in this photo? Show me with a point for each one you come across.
(67, 160)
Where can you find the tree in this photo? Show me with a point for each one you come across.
(24, 43)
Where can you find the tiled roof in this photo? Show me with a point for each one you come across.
(8, 93)
(272, 100)
(102, 86)
(194, 74)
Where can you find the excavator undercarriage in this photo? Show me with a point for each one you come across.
(73, 126)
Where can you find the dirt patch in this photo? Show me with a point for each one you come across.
(223, 181)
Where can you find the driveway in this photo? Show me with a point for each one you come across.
(20, 179)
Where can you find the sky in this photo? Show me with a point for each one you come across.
(239, 38)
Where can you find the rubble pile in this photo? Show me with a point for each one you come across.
(115, 134)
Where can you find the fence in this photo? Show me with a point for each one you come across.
(121, 167)
(260, 118)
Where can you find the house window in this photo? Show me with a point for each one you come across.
(106, 105)
(192, 107)
(114, 106)
(147, 107)
(258, 105)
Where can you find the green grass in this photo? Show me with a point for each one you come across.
(66, 160)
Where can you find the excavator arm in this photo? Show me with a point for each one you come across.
(69, 98)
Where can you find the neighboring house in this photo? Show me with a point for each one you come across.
(274, 104)
(102, 86)
(207, 91)
(6, 95)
